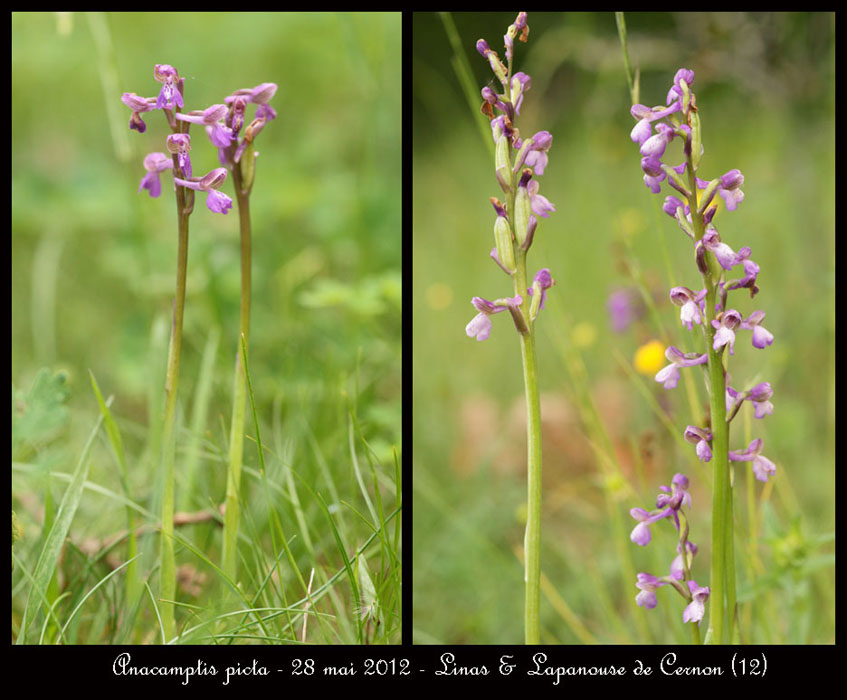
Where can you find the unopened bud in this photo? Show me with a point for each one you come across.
(523, 208)
(503, 237)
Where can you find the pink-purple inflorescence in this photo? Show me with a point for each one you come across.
(223, 124)
(729, 321)
(669, 506)
(517, 162)
(654, 131)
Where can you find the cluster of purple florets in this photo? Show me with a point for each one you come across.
(513, 231)
(655, 129)
(225, 128)
(670, 122)
(669, 505)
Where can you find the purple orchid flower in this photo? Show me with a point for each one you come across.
(690, 303)
(655, 146)
(541, 206)
(675, 93)
(542, 281)
(751, 271)
(725, 330)
(761, 395)
(220, 135)
(762, 337)
(725, 255)
(669, 376)
(480, 325)
(762, 466)
(695, 610)
(138, 105)
(668, 504)
(170, 96)
(645, 116)
(154, 163)
(729, 188)
(648, 584)
(701, 438)
(521, 83)
(180, 144)
(537, 156)
(217, 201)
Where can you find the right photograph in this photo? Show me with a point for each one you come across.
(623, 333)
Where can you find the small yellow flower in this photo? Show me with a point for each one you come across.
(650, 358)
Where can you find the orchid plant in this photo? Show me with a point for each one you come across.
(518, 162)
(722, 270)
(225, 128)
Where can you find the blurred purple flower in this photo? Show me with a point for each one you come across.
(154, 163)
(624, 307)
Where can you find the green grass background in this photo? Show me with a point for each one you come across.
(93, 276)
(765, 90)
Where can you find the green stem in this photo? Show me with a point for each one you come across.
(236, 437)
(532, 541)
(167, 571)
(532, 538)
(722, 584)
(721, 500)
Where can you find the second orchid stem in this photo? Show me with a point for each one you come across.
(722, 582)
(532, 540)
(236, 446)
(167, 571)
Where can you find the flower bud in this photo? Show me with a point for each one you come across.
(502, 167)
(523, 208)
(503, 237)
(696, 139)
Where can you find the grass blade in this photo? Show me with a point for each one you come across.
(47, 560)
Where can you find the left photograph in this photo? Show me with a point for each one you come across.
(206, 328)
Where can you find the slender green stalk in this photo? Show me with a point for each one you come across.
(167, 571)
(633, 83)
(236, 438)
(722, 584)
(721, 500)
(532, 539)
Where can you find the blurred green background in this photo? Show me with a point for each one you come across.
(765, 89)
(94, 261)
